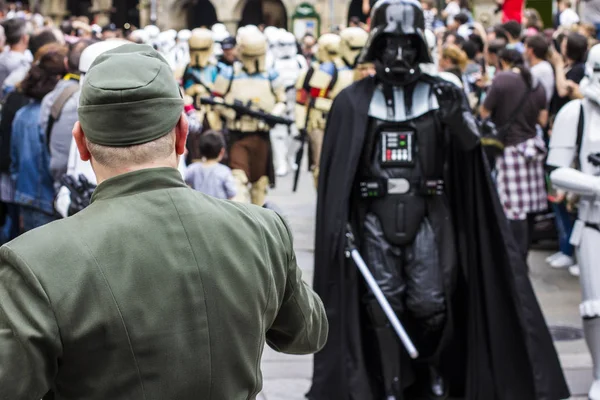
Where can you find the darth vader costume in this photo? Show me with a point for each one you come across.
(403, 169)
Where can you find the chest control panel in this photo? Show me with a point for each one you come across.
(397, 149)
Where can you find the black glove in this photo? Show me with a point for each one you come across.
(456, 115)
(451, 99)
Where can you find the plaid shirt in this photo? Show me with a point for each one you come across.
(521, 180)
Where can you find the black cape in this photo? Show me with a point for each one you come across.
(510, 354)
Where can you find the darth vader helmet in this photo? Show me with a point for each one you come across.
(397, 43)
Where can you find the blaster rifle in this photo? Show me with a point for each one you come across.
(299, 155)
(300, 152)
(245, 109)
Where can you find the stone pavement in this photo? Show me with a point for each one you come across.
(288, 377)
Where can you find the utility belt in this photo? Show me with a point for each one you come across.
(247, 124)
(317, 119)
(374, 188)
(235, 135)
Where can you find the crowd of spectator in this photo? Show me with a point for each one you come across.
(519, 75)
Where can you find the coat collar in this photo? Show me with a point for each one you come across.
(137, 182)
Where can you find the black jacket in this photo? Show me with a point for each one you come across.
(14, 102)
(510, 354)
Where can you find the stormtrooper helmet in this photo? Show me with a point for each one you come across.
(353, 40)
(328, 47)
(252, 50)
(201, 47)
(288, 45)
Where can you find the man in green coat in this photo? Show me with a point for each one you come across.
(154, 291)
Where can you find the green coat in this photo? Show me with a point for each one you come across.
(154, 291)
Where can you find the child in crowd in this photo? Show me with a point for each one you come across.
(209, 176)
(568, 17)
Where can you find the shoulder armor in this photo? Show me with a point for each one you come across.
(564, 131)
(423, 102)
(227, 72)
(563, 141)
(328, 68)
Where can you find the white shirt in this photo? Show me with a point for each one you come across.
(544, 74)
(568, 18)
(452, 9)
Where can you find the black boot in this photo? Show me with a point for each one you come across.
(438, 386)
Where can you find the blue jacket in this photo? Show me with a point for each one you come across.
(30, 161)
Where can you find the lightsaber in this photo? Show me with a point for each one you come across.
(381, 299)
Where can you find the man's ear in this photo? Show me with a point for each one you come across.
(181, 133)
(79, 137)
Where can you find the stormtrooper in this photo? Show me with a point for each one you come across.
(273, 35)
(315, 94)
(322, 84)
(289, 65)
(403, 183)
(353, 40)
(252, 84)
(198, 80)
(576, 141)
(152, 32)
(139, 36)
(165, 44)
(181, 56)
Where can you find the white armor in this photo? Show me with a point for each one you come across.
(289, 65)
(182, 49)
(165, 44)
(288, 62)
(140, 35)
(152, 32)
(273, 35)
(584, 181)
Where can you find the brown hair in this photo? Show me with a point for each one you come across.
(456, 55)
(587, 30)
(534, 19)
(45, 72)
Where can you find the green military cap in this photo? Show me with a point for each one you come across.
(129, 97)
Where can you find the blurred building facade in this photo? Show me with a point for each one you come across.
(179, 14)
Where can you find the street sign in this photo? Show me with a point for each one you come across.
(306, 20)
